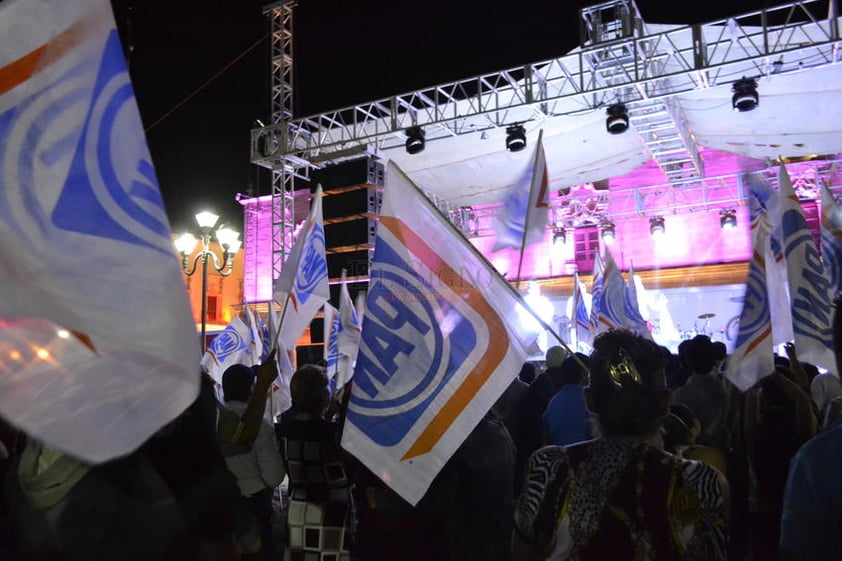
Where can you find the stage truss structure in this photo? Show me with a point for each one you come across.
(619, 58)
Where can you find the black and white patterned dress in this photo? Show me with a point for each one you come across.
(618, 498)
(320, 515)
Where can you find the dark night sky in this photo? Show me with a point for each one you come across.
(347, 51)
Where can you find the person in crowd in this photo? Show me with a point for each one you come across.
(621, 496)
(507, 406)
(320, 515)
(681, 428)
(566, 418)
(811, 520)
(466, 515)
(527, 373)
(778, 419)
(187, 455)
(256, 465)
(529, 435)
(703, 392)
(60, 508)
(824, 389)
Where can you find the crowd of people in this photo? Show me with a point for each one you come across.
(633, 452)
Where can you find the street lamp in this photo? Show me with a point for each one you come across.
(185, 244)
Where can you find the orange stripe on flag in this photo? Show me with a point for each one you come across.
(20, 70)
(14, 74)
(85, 340)
(487, 364)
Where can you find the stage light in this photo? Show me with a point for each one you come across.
(656, 226)
(607, 231)
(560, 237)
(415, 140)
(618, 119)
(728, 219)
(515, 138)
(745, 96)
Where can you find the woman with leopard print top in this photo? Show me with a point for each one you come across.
(621, 496)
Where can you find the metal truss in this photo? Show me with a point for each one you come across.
(637, 69)
(585, 206)
(283, 175)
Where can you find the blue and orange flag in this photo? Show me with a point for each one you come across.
(439, 343)
(752, 358)
(810, 296)
(94, 358)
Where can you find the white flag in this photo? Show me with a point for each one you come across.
(596, 293)
(581, 320)
(612, 314)
(809, 287)
(232, 346)
(349, 335)
(438, 346)
(94, 358)
(831, 231)
(752, 358)
(303, 286)
(634, 319)
(526, 207)
(332, 327)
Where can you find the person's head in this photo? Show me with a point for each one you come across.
(527, 373)
(575, 371)
(238, 382)
(627, 389)
(309, 390)
(720, 351)
(681, 428)
(555, 356)
(700, 354)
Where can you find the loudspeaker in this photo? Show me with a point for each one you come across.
(366, 170)
(355, 201)
(354, 288)
(356, 263)
(317, 330)
(308, 354)
(351, 233)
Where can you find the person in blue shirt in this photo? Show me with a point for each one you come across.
(811, 523)
(566, 419)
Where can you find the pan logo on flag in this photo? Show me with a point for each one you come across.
(313, 265)
(406, 357)
(96, 199)
(225, 344)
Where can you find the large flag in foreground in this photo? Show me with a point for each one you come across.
(303, 286)
(437, 347)
(809, 288)
(752, 358)
(94, 358)
(522, 220)
(831, 231)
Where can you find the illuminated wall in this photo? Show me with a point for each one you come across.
(224, 293)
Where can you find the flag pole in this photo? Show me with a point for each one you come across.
(528, 208)
(281, 321)
(491, 267)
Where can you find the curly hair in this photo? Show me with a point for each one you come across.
(627, 384)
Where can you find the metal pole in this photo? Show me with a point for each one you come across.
(204, 300)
